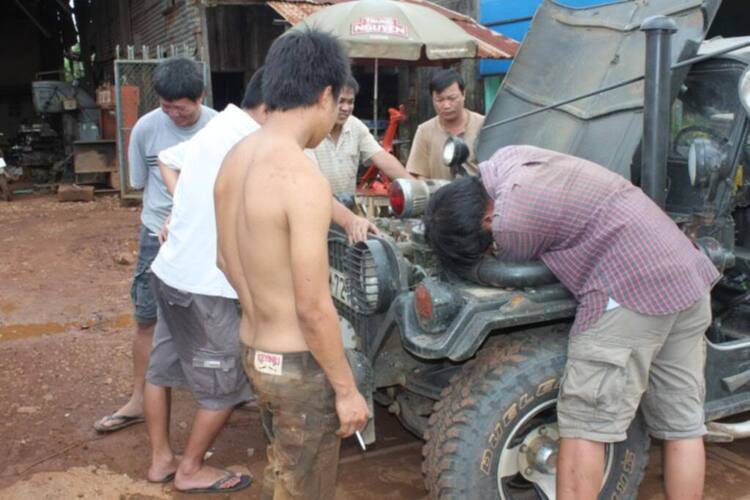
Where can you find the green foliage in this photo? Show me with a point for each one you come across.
(73, 66)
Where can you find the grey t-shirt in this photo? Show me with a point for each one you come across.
(154, 132)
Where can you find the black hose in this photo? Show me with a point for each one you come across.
(736, 301)
(490, 271)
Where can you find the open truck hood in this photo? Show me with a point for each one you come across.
(568, 52)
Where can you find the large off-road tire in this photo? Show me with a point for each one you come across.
(493, 434)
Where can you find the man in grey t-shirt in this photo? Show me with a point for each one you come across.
(179, 84)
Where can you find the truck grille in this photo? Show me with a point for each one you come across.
(360, 295)
(359, 267)
(356, 264)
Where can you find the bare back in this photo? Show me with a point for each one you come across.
(268, 193)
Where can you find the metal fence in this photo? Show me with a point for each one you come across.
(138, 72)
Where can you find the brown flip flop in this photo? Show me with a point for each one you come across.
(126, 421)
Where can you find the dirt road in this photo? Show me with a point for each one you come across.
(65, 361)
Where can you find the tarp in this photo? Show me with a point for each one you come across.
(569, 52)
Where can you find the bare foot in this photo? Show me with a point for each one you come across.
(131, 408)
(163, 470)
(205, 477)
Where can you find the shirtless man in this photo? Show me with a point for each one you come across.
(273, 210)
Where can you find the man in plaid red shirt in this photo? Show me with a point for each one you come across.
(643, 292)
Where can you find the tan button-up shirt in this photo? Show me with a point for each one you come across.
(426, 155)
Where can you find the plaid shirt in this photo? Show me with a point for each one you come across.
(600, 235)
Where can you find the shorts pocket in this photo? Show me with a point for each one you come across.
(140, 291)
(217, 373)
(595, 380)
(175, 297)
(143, 298)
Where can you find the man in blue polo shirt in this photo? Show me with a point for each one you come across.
(179, 85)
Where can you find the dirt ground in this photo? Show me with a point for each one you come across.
(65, 331)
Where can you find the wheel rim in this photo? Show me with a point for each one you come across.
(528, 460)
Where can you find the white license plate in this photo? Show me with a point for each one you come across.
(339, 290)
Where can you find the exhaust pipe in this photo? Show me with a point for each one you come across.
(725, 433)
(656, 106)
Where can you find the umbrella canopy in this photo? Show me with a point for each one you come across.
(389, 29)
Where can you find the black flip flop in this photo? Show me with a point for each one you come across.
(245, 481)
(127, 421)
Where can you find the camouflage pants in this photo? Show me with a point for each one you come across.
(304, 451)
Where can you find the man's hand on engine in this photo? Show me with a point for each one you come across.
(357, 229)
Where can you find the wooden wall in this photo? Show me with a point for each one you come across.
(239, 36)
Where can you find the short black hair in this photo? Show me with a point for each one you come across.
(352, 83)
(453, 223)
(254, 91)
(444, 79)
(179, 78)
(299, 66)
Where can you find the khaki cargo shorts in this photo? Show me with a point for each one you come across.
(627, 358)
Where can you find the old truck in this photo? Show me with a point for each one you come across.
(472, 364)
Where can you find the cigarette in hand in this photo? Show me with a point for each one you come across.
(361, 440)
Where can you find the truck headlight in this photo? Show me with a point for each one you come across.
(409, 197)
(455, 152)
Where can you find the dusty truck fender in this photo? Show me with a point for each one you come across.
(380, 300)
(482, 314)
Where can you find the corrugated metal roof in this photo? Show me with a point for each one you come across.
(490, 45)
(294, 12)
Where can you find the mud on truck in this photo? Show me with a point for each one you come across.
(472, 364)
